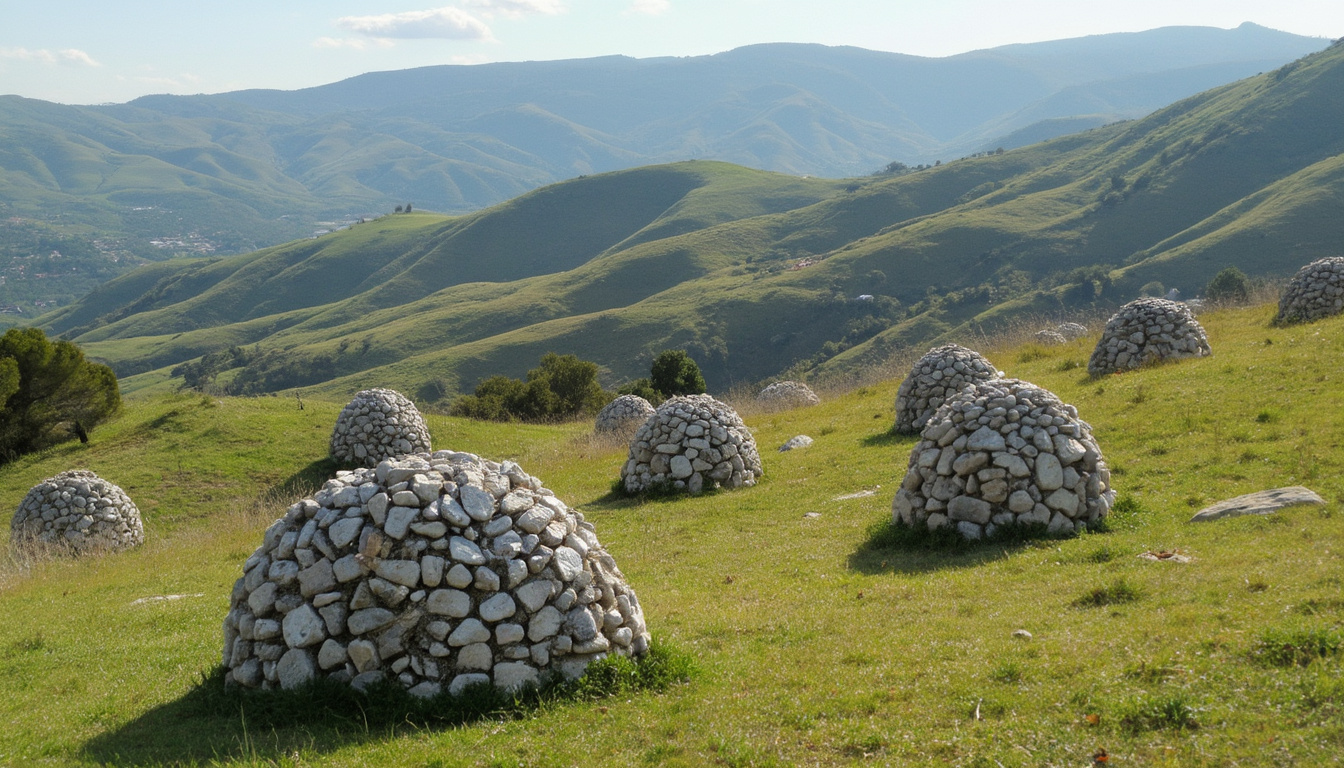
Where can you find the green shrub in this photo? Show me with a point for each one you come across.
(1229, 285)
(50, 393)
(642, 388)
(674, 373)
(561, 387)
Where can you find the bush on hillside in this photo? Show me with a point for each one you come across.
(561, 387)
(1229, 285)
(642, 388)
(50, 392)
(674, 373)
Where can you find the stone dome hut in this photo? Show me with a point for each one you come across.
(787, 394)
(1316, 291)
(436, 571)
(79, 510)
(1145, 331)
(936, 376)
(624, 414)
(1004, 452)
(1071, 330)
(1050, 337)
(378, 424)
(691, 443)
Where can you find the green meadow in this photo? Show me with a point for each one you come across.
(820, 635)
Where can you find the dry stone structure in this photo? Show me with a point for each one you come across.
(1050, 337)
(439, 571)
(1146, 331)
(787, 394)
(1071, 330)
(1004, 452)
(80, 510)
(624, 414)
(378, 424)
(691, 443)
(938, 375)
(1316, 291)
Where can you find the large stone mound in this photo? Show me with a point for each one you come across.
(1004, 452)
(938, 375)
(378, 424)
(1316, 291)
(787, 394)
(80, 510)
(623, 415)
(691, 443)
(1147, 331)
(436, 571)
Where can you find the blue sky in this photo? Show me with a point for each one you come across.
(92, 51)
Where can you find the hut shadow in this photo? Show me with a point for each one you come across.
(888, 439)
(211, 724)
(892, 548)
(306, 481)
(190, 731)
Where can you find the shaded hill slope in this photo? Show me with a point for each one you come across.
(237, 171)
(757, 274)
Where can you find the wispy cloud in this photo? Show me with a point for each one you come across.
(447, 23)
(69, 56)
(515, 9)
(650, 7)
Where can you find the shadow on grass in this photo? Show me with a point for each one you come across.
(886, 439)
(213, 723)
(896, 548)
(307, 480)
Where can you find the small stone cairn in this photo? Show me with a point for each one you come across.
(690, 443)
(938, 375)
(1004, 452)
(787, 394)
(1071, 330)
(1316, 291)
(378, 424)
(437, 571)
(1061, 334)
(623, 415)
(1145, 331)
(80, 510)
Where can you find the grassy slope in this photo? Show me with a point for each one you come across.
(619, 266)
(816, 647)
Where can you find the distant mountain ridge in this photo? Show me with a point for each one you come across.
(757, 274)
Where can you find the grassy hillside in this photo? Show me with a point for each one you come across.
(757, 274)
(229, 173)
(820, 638)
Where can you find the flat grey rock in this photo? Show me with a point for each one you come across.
(1260, 503)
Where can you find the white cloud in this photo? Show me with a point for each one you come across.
(44, 56)
(445, 23)
(650, 7)
(515, 9)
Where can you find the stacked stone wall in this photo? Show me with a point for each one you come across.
(437, 571)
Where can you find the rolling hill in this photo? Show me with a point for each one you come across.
(232, 172)
(754, 273)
